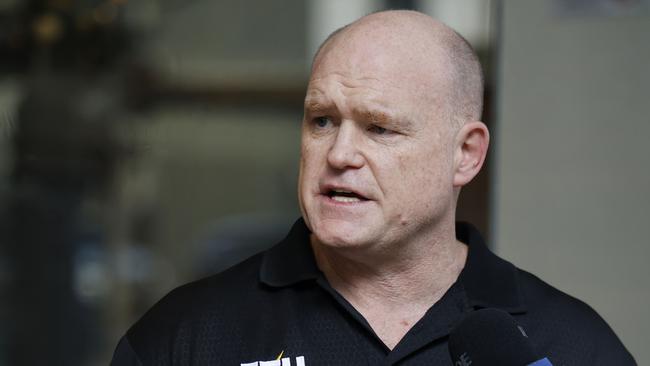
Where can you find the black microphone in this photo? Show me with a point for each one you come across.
(490, 337)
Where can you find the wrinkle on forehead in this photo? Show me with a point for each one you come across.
(372, 80)
(349, 82)
(343, 76)
(378, 100)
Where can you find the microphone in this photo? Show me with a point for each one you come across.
(490, 337)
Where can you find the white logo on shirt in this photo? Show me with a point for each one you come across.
(286, 361)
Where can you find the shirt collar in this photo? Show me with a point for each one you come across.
(291, 261)
(488, 280)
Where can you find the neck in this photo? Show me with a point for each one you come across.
(416, 273)
(393, 290)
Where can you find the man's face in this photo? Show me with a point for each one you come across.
(377, 150)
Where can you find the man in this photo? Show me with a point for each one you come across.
(376, 272)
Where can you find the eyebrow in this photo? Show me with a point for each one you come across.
(374, 116)
(382, 117)
(318, 104)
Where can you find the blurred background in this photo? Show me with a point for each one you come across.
(148, 143)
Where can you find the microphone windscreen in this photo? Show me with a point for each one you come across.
(490, 337)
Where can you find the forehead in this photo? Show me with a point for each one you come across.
(371, 63)
(375, 82)
(385, 63)
(413, 49)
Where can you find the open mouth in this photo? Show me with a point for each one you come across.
(345, 196)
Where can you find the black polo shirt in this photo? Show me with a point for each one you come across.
(277, 309)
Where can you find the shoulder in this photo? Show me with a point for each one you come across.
(191, 299)
(556, 308)
(556, 320)
(227, 313)
(204, 308)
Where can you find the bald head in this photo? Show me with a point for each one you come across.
(422, 44)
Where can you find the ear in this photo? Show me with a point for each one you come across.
(471, 147)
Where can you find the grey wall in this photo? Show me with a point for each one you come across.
(572, 179)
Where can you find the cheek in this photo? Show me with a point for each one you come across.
(308, 158)
(424, 175)
(305, 179)
(311, 165)
(312, 148)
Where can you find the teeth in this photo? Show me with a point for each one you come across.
(345, 199)
(338, 191)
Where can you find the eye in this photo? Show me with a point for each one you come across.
(322, 121)
(378, 130)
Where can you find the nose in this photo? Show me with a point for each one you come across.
(344, 152)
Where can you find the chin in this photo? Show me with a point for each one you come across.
(341, 234)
